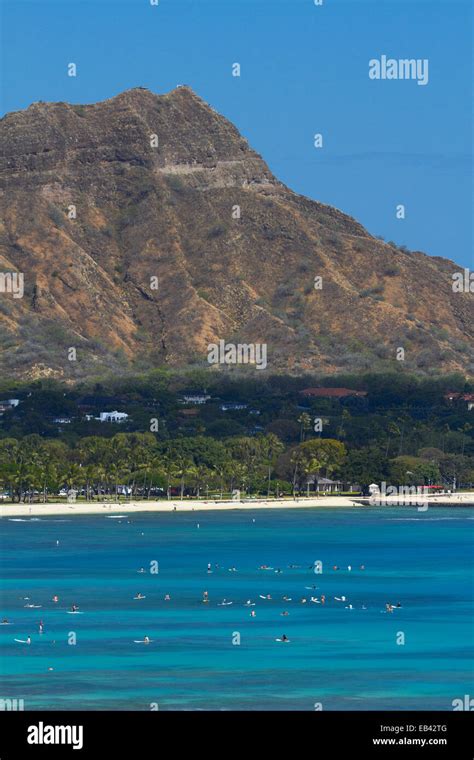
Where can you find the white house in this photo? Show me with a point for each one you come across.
(10, 403)
(112, 416)
(195, 398)
(232, 406)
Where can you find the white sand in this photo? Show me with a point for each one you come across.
(188, 505)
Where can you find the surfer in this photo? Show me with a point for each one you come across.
(28, 639)
(253, 614)
(139, 596)
(205, 596)
(55, 598)
(41, 627)
(142, 570)
(209, 569)
(146, 640)
(74, 608)
(284, 613)
(167, 598)
(323, 599)
(284, 637)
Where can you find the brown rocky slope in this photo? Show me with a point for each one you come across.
(169, 212)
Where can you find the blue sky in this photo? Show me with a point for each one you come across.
(304, 70)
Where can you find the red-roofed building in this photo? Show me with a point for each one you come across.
(331, 393)
(467, 397)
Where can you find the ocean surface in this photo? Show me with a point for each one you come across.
(337, 658)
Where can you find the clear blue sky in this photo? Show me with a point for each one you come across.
(304, 69)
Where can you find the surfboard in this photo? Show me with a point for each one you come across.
(283, 641)
(141, 641)
(21, 641)
(74, 612)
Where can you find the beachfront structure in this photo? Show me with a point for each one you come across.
(62, 420)
(113, 416)
(325, 485)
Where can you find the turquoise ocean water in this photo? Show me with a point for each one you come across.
(345, 659)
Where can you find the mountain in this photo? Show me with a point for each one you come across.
(156, 181)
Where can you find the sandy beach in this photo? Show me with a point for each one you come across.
(190, 505)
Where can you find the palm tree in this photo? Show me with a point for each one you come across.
(305, 424)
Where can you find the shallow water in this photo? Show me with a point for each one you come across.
(344, 659)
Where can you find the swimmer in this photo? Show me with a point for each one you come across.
(41, 627)
(55, 598)
(139, 596)
(167, 598)
(209, 569)
(142, 570)
(5, 621)
(284, 638)
(28, 640)
(253, 614)
(323, 599)
(146, 640)
(303, 601)
(284, 613)
(74, 608)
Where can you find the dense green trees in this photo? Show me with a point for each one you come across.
(402, 432)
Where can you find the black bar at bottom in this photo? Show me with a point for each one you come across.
(374, 734)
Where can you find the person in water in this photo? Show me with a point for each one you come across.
(146, 640)
(41, 627)
(284, 637)
(28, 640)
(55, 598)
(74, 608)
(167, 598)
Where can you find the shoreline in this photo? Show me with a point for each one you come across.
(62, 509)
